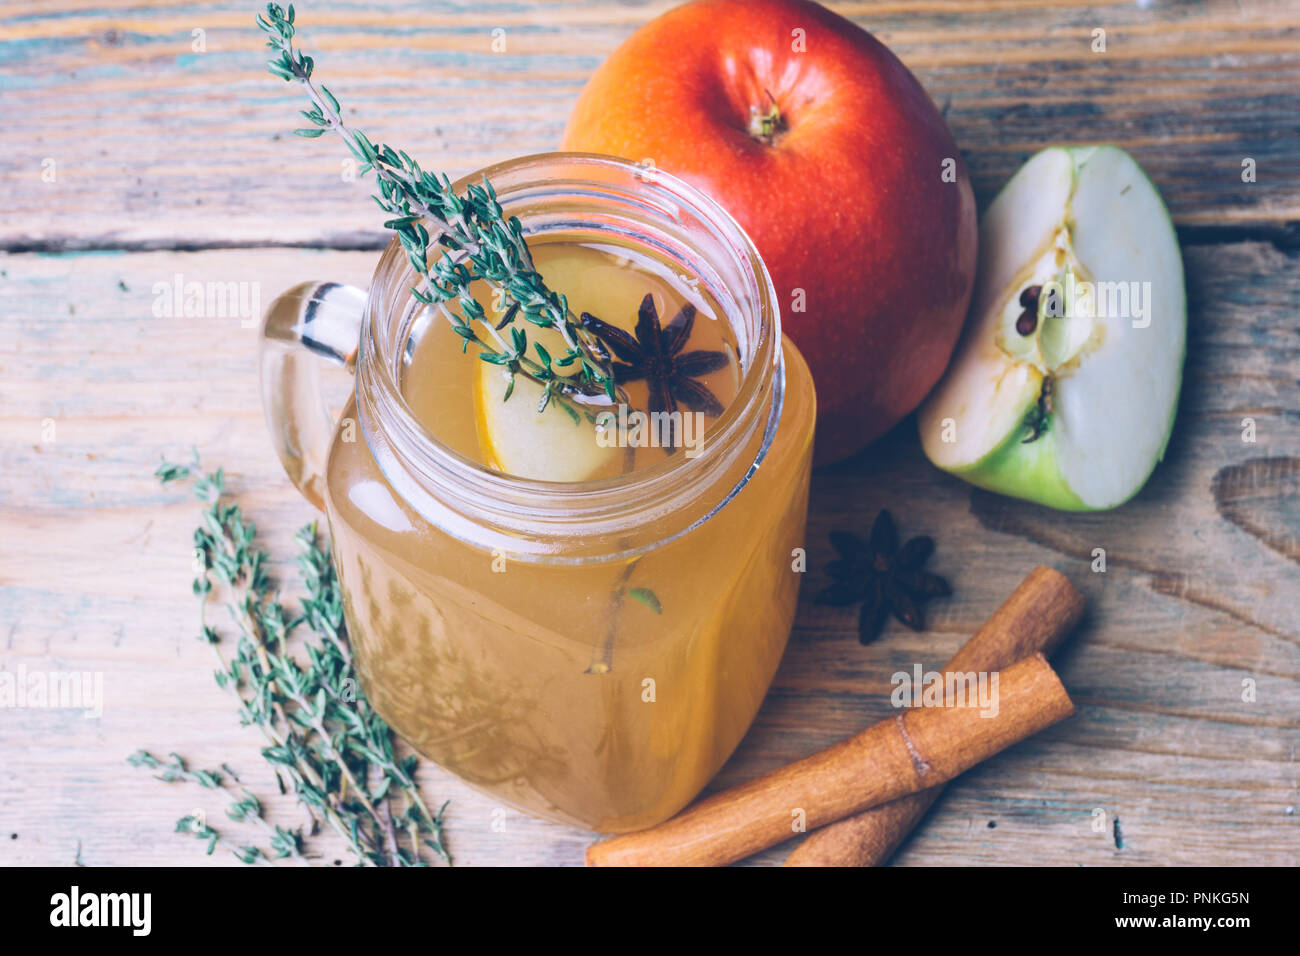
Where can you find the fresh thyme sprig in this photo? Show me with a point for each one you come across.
(244, 808)
(322, 734)
(477, 242)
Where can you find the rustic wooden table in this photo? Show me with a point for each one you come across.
(144, 141)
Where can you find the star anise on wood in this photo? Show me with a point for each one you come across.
(655, 355)
(886, 578)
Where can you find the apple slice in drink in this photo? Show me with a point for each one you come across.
(550, 445)
(1065, 383)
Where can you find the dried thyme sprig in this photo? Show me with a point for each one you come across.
(323, 736)
(477, 242)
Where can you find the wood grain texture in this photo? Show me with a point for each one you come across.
(156, 145)
(161, 149)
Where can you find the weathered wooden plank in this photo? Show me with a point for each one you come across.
(154, 144)
(1199, 592)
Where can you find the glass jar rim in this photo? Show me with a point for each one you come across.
(472, 501)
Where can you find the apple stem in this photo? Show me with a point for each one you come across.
(1040, 416)
(764, 126)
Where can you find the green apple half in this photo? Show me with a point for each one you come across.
(1065, 383)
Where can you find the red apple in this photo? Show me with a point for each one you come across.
(832, 157)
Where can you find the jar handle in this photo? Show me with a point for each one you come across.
(309, 323)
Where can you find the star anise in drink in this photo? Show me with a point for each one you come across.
(886, 578)
(655, 355)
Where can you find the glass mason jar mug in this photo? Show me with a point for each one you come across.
(590, 652)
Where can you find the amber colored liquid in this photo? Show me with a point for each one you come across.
(606, 280)
(548, 685)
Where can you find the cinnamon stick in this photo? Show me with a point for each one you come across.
(1035, 618)
(915, 749)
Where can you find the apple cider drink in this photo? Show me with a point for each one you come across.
(574, 598)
